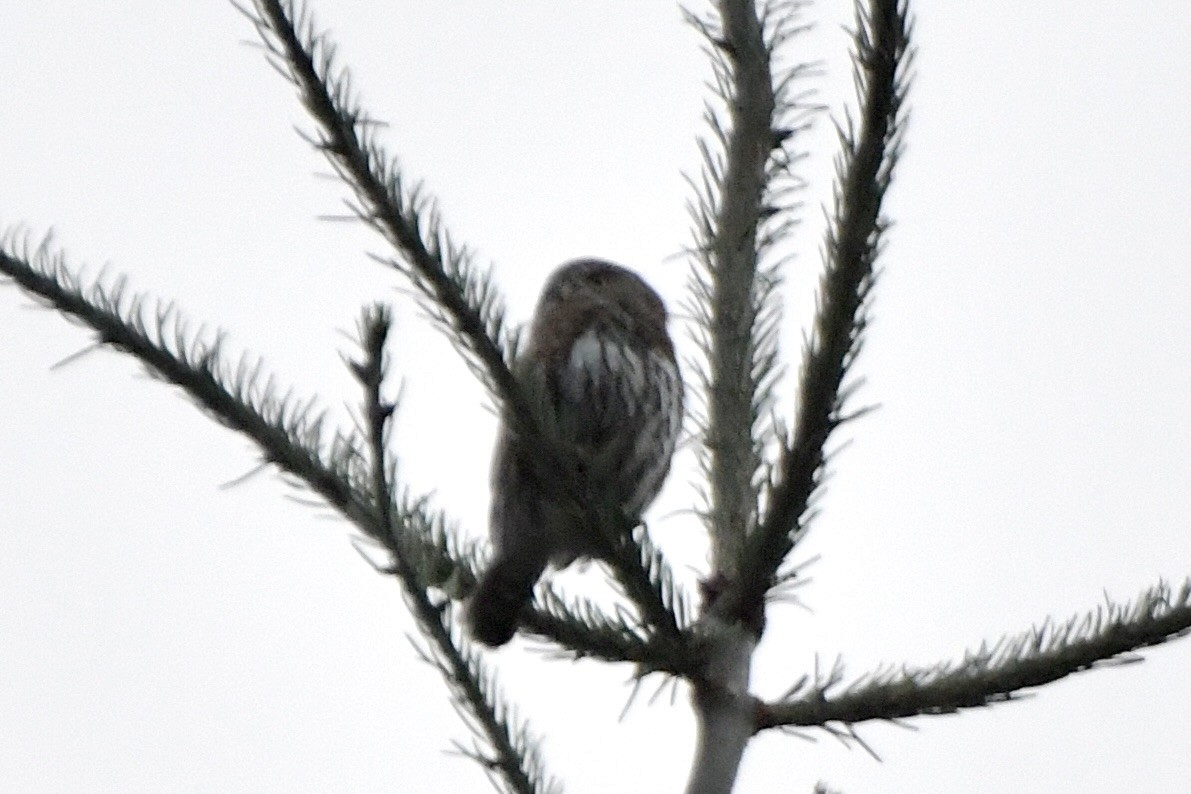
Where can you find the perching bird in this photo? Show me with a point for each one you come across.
(600, 366)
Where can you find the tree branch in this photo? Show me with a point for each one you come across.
(515, 755)
(728, 297)
(464, 302)
(992, 675)
(747, 558)
(731, 300)
(864, 172)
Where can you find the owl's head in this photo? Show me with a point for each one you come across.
(586, 283)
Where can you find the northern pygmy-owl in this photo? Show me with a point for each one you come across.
(600, 365)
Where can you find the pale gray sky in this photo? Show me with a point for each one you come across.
(1032, 452)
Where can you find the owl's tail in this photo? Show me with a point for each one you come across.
(504, 590)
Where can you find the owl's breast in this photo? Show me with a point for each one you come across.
(621, 402)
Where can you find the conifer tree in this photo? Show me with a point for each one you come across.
(762, 472)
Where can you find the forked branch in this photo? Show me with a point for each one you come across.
(864, 171)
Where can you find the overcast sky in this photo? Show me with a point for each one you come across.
(1031, 454)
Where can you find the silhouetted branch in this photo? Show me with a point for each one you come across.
(513, 757)
(991, 675)
(864, 172)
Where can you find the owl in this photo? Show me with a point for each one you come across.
(599, 366)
